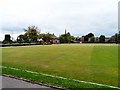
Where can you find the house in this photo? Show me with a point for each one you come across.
(55, 39)
(107, 39)
(81, 39)
(96, 39)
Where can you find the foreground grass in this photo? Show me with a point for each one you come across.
(63, 83)
(95, 63)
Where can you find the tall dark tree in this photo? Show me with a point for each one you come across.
(89, 37)
(7, 39)
(21, 38)
(102, 39)
(112, 39)
(117, 37)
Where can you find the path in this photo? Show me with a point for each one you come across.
(8, 82)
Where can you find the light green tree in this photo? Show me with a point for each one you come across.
(32, 33)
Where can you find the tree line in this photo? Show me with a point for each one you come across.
(32, 35)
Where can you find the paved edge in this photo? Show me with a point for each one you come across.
(34, 82)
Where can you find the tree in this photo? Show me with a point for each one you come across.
(31, 33)
(102, 39)
(112, 39)
(21, 38)
(89, 37)
(7, 39)
(115, 38)
(119, 37)
(66, 38)
(46, 37)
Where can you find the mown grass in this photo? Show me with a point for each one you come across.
(65, 84)
(95, 63)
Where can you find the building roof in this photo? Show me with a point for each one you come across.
(54, 37)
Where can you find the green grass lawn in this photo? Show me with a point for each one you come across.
(89, 62)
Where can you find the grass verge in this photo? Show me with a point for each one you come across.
(68, 84)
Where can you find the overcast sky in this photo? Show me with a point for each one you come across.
(79, 17)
